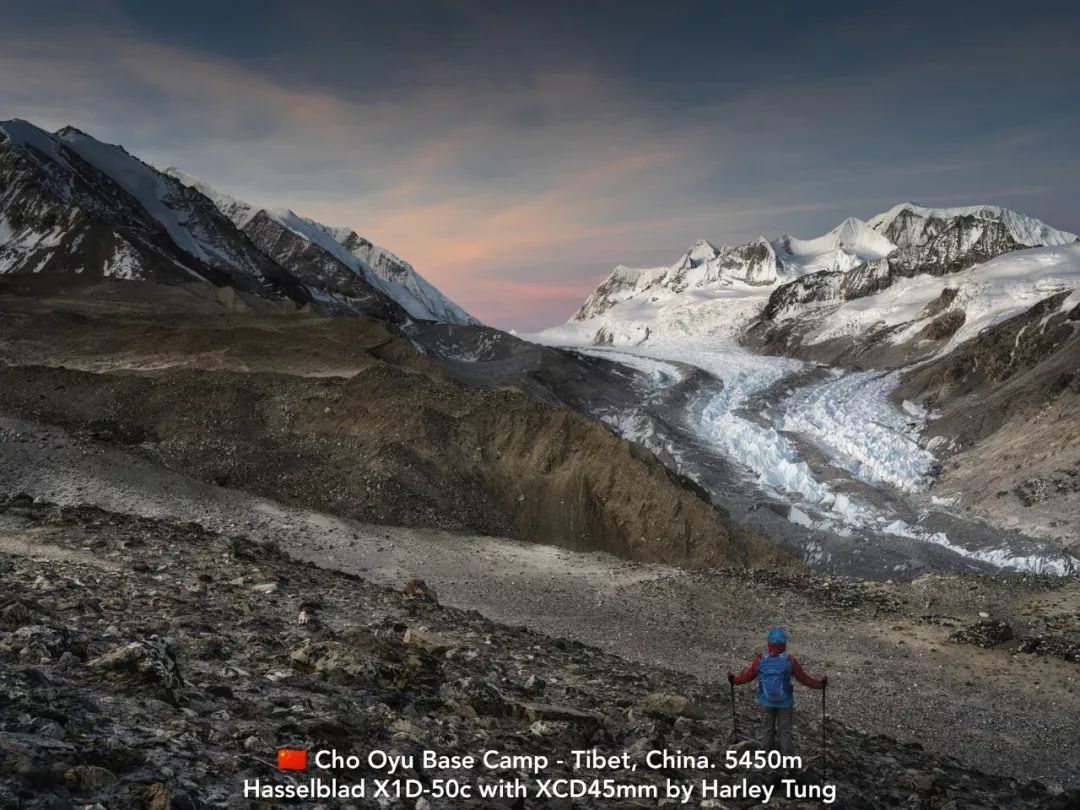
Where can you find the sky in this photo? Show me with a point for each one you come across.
(515, 152)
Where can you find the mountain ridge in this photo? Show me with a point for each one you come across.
(853, 260)
(378, 266)
(73, 204)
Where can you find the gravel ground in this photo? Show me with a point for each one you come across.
(149, 663)
(891, 672)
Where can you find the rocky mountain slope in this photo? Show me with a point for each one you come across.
(334, 257)
(152, 663)
(63, 213)
(70, 204)
(347, 416)
(1007, 405)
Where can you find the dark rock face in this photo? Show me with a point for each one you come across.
(66, 216)
(989, 633)
(318, 269)
(866, 279)
(69, 217)
(943, 326)
(828, 285)
(257, 677)
(943, 246)
(754, 263)
(970, 383)
(813, 287)
(941, 303)
(386, 264)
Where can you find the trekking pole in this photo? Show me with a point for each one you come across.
(734, 717)
(824, 749)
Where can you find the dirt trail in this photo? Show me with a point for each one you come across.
(891, 673)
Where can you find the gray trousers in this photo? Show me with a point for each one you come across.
(773, 720)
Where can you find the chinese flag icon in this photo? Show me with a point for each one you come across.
(291, 759)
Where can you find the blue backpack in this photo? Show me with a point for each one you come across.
(774, 681)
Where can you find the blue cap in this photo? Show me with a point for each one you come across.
(777, 636)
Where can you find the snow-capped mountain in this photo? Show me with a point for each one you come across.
(908, 225)
(72, 204)
(713, 291)
(933, 335)
(342, 254)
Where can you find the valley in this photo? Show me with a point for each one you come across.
(870, 437)
(865, 375)
(699, 624)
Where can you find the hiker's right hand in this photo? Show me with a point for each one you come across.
(824, 681)
(731, 678)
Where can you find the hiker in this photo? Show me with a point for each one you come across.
(775, 694)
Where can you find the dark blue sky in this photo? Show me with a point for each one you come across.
(515, 152)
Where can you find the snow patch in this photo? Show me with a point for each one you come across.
(123, 264)
(152, 190)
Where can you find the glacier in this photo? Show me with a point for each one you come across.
(828, 441)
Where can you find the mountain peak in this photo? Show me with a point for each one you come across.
(856, 258)
(69, 130)
(23, 133)
(907, 221)
(850, 242)
(162, 224)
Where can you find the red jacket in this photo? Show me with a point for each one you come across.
(751, 671)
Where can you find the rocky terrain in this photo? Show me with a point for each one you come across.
(154, 664)
(216, 417)
(920, 686)
(1009, 409)
(338, 262)
(345, 416)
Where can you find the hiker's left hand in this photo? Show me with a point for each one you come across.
(731, 678)
(824, 681)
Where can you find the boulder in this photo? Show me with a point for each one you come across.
(426, 641)
(88, 779)
(986, 633)
(472, 697)
(670, 703)
(149, 660)
(418, 589)
(156, 797)
(537, 712)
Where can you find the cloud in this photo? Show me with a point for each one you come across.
(514, 159)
